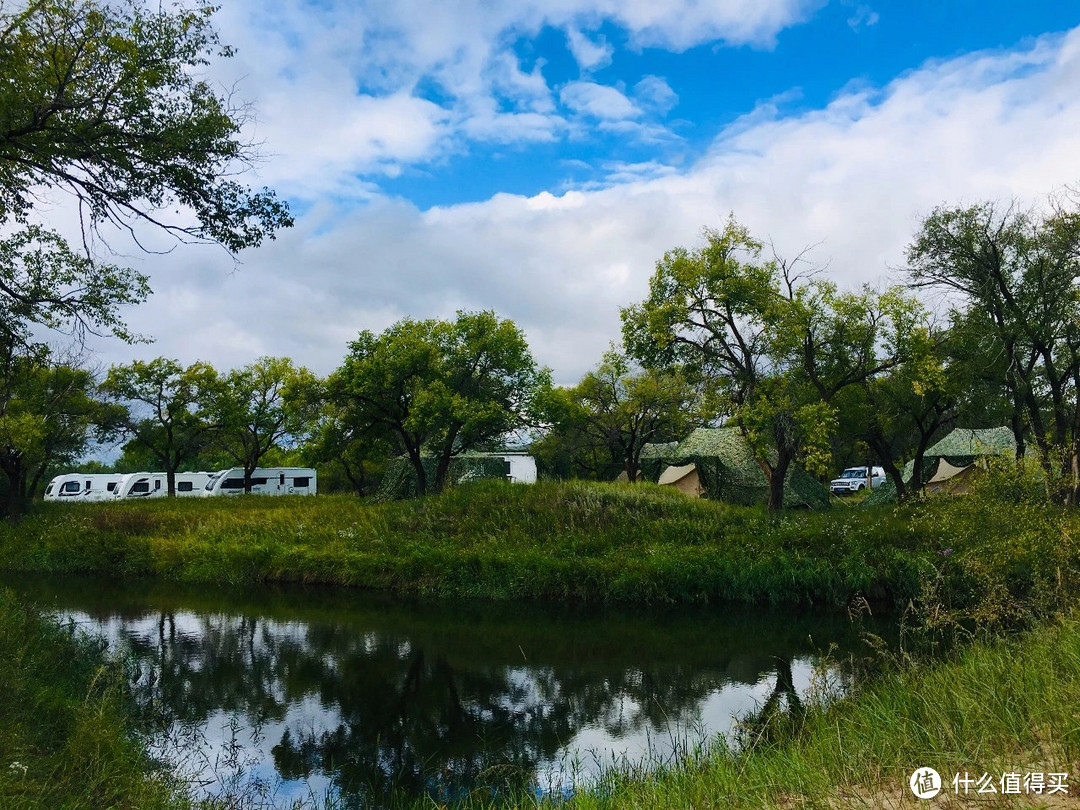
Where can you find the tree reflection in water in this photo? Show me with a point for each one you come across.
(387, 701)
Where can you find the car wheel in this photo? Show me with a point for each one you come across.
(860, 488)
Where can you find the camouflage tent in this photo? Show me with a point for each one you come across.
(654, 458)
(960, 449)
(728, 471)
(399, 480)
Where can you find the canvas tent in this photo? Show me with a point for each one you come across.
(399, 480)
(654, 459)
(727, 471)
(684, 478)
(950, 465)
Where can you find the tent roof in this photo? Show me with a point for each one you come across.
(658, 449)
(673, 474)
(963, 442)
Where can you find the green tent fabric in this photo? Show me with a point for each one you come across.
(728, 471)
(655, 458)
(963, 446)
(399, 481)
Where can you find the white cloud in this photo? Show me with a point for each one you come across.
(856, 174)
(589, 55)
(598, 100)
(434, 77)
(655, 93)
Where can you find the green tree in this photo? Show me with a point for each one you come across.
(778, 344)
(173, 417)
(252, 413)
(44, 282)
(615, 411)
(106, 101)
(1016, 273)
(438, 387)
(48, 414)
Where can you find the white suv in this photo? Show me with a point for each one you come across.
(853, 479)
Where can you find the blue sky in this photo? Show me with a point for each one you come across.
(536, 157)
(808, 64)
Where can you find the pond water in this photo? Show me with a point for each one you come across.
(310, 693)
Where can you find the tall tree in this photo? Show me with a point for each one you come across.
(438, 387)
(252, 413)
(778, 343)
(173, 409)
(616, 410)
(1019, 271)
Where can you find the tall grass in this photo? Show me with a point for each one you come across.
(954, 562)
(67, 739)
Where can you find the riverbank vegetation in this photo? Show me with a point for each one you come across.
(984, 559)
(68, 737)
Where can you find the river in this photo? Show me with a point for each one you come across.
(303, 694)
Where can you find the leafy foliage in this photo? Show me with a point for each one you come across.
(602, 424)
(777, 344)
(437, 386)
(105, 100)
(173, 419)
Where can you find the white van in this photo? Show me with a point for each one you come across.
(156, 485)
(82, 487)
(264, 481)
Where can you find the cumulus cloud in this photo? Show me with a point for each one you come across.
(589, 55)
(855, 175)
(433, 78)
(598, 101)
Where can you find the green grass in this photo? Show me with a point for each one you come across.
(979, 566)
(959, 560)
(67, 738)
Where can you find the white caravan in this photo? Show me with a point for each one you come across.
(82, 487)
(156, 485)
(264, 481)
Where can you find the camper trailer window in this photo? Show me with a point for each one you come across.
(70, 486)
(259, 481)
(141, 486)
(111, 487)
(48, 489)
(184, 486)
(300, 482)
(232, 483)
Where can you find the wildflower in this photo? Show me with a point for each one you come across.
(17, 767)
(945, 552)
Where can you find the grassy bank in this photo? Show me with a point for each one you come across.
(67, 739)
(577, 541)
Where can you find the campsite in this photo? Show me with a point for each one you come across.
(545, 405)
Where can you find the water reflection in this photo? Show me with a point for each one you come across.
(373, 700)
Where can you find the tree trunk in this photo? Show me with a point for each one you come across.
(14, 501)
(442, 468)
(418, 467)
(357, 479)
(777, 477)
